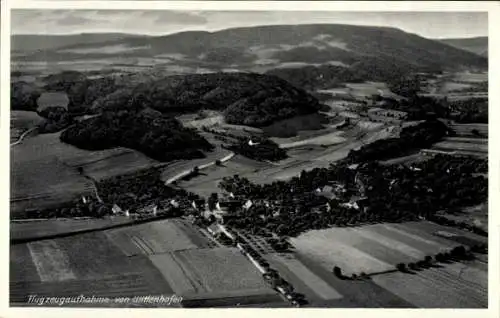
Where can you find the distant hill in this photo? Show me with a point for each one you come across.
(478, 45)
(261, 46)
(25, 43)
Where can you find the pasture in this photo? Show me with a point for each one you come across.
(378, 248)
(44, 170)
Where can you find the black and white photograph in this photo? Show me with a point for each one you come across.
(191, 158)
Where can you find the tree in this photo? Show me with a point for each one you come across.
(475, 132)
(412, 266)
(80, 170)
(401, 267)
(337, 272)
(218, 162)
(428, 259)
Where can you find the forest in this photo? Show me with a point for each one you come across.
(56, 119)
(23, 96)
(413, 137)
(156, 135)
(245, 98)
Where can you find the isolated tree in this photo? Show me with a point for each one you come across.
(475, 132)
(337, 272)
(401, 267)
(80, 170)
(218, 162)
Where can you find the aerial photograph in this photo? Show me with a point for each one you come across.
(248, 159)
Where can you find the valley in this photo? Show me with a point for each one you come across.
(322, 165)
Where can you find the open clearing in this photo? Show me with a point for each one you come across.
(378, 248)
(52, 99)
(44, 170)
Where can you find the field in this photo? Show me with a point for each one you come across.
(21, 121)
(52, 99)
(479, 147)
(471, 77)
(80, 265)
(29, 229)
(206, 182)
(307, 277)
(293, 126)
(328, 139)
(466, 129)
(155, 238)
(378, 248)
(475, 215)
(44, 170)
(198, 274)
(451, 286)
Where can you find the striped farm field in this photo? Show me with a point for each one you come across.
(311, 280)
(378, 248)
(451, 286)
(86, 264)
(210, 273)
(154, 238)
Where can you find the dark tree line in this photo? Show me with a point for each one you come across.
(414, 137)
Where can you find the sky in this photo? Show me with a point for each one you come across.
(155, 22)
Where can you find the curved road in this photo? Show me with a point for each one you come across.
(20, 139)
(188, 171)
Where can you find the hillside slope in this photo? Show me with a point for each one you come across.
(270, 45)
(478, 45)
